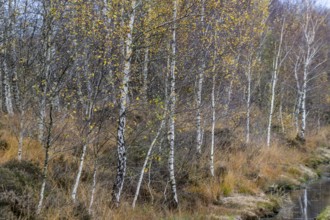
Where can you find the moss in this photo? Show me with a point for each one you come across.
(325, 215)
(269, 208)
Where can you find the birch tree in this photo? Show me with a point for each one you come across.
(147, 158)
(87, 101)
(172, 103)
(88, 81)
(46, 145)
(47, 50)
(277, 63)
(121, 147)
(213, 113)
(201, 73)
(6, 64)
(252, 32)
(310, 50)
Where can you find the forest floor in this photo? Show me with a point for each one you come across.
(248, 184)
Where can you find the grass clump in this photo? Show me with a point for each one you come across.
(325, 215)
(19, 182)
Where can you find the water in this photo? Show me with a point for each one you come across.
(308, 203)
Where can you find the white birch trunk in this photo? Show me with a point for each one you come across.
(309, 37)
(42, 104)
(88, 106)
(271, 111)
(298, 101)
(297, 111)
(199, 139)
(281, 111)
(121, 148)
(213, 123)
(44, 179)
(248, 102)
(172, 103)
(276, 67)
(303, 107)
(147, 160)
(310, 49)
(77, 180)
(12, 21)
(7, 85)
(91, 202)
(2, 36)
(46, 145)
(8, 98)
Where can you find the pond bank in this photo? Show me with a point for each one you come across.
(306, 203)
(303, 197)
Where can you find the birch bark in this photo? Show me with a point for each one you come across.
(47, 56)
(213, 122)
(121, 147)
(6, 63)
(88, 107)
(91, 202)
(172, 104)
(147, 160)
(276, 66)
(46, 145)
(199, 139)
(248, 100)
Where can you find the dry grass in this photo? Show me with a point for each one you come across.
(247, 170)
(32, 149)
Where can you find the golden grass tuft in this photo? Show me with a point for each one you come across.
(32, 149)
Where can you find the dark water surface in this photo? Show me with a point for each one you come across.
(308, 203)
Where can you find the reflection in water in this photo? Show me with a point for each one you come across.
(308, 203)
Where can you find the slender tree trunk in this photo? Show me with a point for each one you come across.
(121, 147)
(297, 111)
(304, 92)
(303, 108)
(172, 103)
(213, 123)
(281, 111)
(2, 36)
(81, 165)
(299, 96)
(12, 21)
(8, 98)
(147, 160)
(47, 145)
(271, 111)
(199, 139)
(248, 103)
(42, 104)
(7, 86)
(43, 185)
(276, 66)
(88, 115)
(91, 202)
